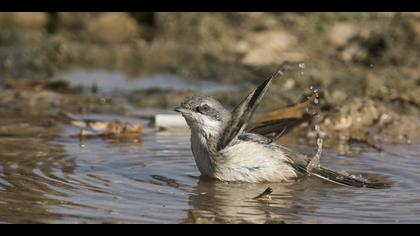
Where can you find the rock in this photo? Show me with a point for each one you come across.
(349, 41)
(113, 28)
(414, 14)
(357, 113)
(353, 52)
(416, 29)
(74, 20)
(341, 33)
(364, 119)
(24, 19)
(270, 47)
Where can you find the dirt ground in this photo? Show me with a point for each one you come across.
(365, 64)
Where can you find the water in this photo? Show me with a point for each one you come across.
(49, 175)
(54, 177)
(116, 81)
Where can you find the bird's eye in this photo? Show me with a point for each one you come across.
(202, 109)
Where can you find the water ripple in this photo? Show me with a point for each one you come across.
(55, 179)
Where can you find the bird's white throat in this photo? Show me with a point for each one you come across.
(203, 131)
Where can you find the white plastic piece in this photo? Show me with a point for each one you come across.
(170, 122)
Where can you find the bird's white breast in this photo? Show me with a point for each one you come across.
(250, 161)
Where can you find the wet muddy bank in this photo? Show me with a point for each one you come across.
(359, 121)
(364, 64)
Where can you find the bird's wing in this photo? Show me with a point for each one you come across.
(275, 124)
(274, 129)
(243, 112)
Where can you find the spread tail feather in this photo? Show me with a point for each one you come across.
(347, 179)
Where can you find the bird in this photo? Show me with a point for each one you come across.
(226, 149)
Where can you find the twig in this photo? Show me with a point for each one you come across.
(266, 194)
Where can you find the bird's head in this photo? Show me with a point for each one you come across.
(204, 114)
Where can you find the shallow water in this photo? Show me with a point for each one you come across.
(49, 175)
(54, 177)
(116, 81)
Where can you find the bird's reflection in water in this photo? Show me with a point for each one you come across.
(221, 202)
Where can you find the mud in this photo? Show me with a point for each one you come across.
(365, 64)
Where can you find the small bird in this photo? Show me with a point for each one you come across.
(224, 148)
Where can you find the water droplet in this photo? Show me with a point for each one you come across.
(302, 65)
(316, 160)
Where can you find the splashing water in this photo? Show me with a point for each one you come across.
(354, 176)
(302, 67)
(316, 161)
(291, 66)
(312, 109)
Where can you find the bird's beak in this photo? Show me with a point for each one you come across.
(179, 109)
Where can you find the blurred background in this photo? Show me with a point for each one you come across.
(366, 64)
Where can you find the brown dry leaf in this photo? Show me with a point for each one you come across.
(114, 128)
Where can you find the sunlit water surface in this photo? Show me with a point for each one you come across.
(62, 179)
(49, 175)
